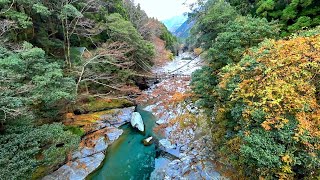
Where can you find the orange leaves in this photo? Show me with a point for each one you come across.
(284, 85)
(179, 97)
(286, 159)
(266, 125)
(286, 169)
(197, 51)
(309, 122)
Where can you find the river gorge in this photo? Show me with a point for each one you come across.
(113, 149)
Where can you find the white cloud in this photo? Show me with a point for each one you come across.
(164, 9)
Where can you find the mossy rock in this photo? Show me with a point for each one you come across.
(40, 172)
(75, 130)
(96, 105)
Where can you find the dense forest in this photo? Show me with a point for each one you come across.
(53, 53)
(261, 85)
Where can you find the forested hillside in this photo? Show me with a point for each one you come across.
(53, 53)
(69, 71)
(260, 85)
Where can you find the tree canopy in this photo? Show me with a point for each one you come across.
(261, 92)
(55, 52)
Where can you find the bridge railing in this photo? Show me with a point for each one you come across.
(169, 76)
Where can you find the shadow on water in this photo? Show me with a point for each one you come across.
(127, 158)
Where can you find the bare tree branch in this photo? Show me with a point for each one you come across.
(3, 12)
(113, 54)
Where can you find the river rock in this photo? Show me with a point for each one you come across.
(161, 121)
(113, 134)
(148, 141)
(166, 144)
(150, 108)
(137, 122)
(77, 170)
(99, 145)
(119, 117)
(95, 121)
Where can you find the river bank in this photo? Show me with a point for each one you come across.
(113, 149)
(182, 124)
(128, 158)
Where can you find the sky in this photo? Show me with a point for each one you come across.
(163, 9)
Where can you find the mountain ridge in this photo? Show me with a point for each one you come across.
(175, 22)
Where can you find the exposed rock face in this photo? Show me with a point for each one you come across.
(100, 145)
(119, 117)
(166, 144)
(178, 121)
(77, 170)
(101, 130)
(113, 134)
(137, 122)
(99, 120)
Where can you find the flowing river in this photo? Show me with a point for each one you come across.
(127, 158)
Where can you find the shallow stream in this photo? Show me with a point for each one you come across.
(127, 158)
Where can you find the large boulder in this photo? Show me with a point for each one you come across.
(137, 122)
(77, 170)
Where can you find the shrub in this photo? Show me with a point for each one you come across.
(269, 104)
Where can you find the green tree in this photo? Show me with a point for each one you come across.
(228, 48)
(211, 22)
(121, 30)
(294, 15)
(33, 89)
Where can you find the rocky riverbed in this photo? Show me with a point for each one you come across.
(186, 137)
(183, 149)
(101, 129)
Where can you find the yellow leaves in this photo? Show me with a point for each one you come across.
(197, 51)
(285, 176)
(287, 159)
(283, 84)
(246, 114)
(286, 169)
(247, 133)
(69, 116)
(234, 144)
(279, 93)
(266, 125)
(179, 97)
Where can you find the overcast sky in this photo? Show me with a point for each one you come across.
(163, 9)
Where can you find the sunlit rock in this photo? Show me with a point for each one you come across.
(77, 170)
(137, 122)
(98, 145)
(166, 144)
(113, 134)
(148, 141)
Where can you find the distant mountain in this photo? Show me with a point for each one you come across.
(175, 22)
(184, 30)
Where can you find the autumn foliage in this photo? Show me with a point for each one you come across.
(267, 122)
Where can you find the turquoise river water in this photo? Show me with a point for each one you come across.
(127, 158)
